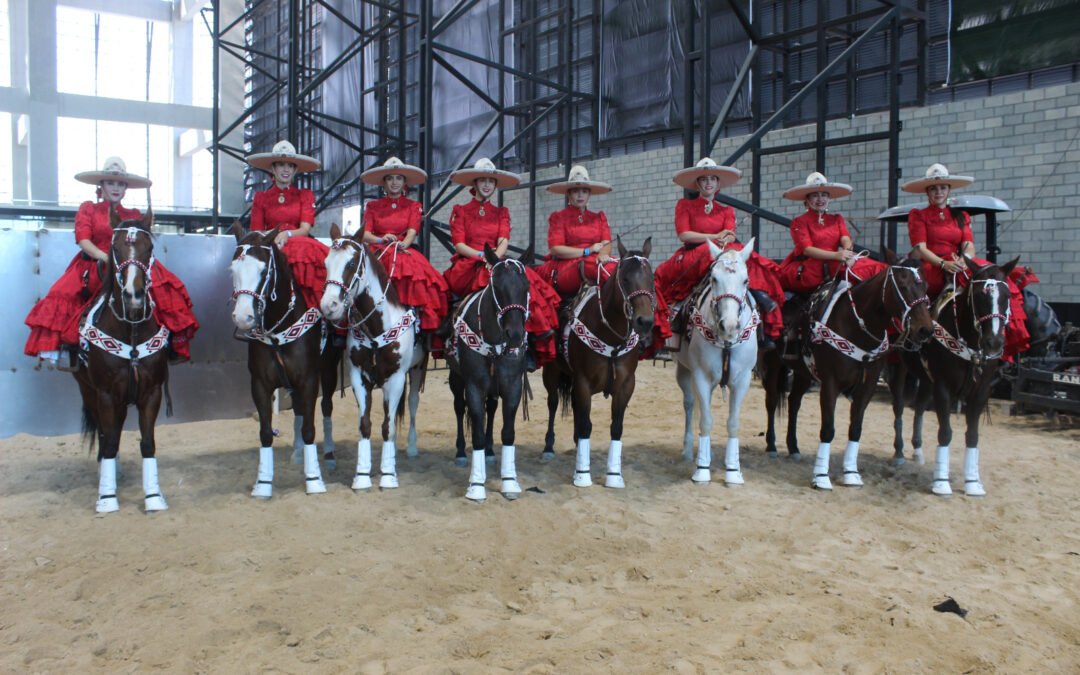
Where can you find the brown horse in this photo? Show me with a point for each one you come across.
(126, 361)
(845, 336)
(969, 337)
(285, 340)
(602, 338)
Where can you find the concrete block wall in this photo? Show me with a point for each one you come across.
(1023, 148)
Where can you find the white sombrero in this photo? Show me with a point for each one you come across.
(113, 169)
(283, 151)
(937, 174)
(687, 178)
(817, 182)
(579, 178)
(485, 168)
(414, 175)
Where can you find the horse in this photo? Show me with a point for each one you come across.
(486, 355)
(720, 348)
(602, 338)
(958, 364)
(113, 374)
(285, 349)
(382, 347)
(845, 336)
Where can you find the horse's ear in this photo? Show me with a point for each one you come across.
(646, 248)
(1007, 268)
(489, 255)
(335, 232)
(148, 219)
(747, 250)
(889, 255)
(269, 237)
(714, 250)
(358, 236)
(526, 258)
(237, 230)
(621, 248)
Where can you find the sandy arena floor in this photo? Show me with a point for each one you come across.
(662, 576)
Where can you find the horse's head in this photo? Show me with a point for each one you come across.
(634, 281)
(254, 271)
(987, 305)
(510, 291)
(346, 271)
(131, 259)
(903, 295)
(730, 283)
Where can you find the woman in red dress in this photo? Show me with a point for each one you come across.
(54, 320)
(823, 245)
(480, 222)
(390, 227)
(292, 211)
(703, 219)
(940, 234)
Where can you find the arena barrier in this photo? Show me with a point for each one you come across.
(214, 385)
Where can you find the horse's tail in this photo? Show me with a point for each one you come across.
(566, 387)
(90, 431)
(526, 394)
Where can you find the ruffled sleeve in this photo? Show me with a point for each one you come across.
(457, 225)
(504, 224)
(556, 230)
(257, 206)
(84, 222)
(800, 234)
(605, 230)
(307, 207)
(916, 225)
(682, 216)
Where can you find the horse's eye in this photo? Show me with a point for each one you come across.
(351, 265)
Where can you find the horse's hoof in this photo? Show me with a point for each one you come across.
(361, 482)
(315, 486)
(412, 452)
(461, 461)
(702, 476)
(476, 493)
(262, 490)
(899, 461)
(733, 478)
(330, 464)
(614, 480)
(547, 456)
(489, 460)
(852, 479)
(772, 454)
(298, 455)
(155, 503)
(797, 456)
(941, 487)
(107, 505)
(511, 489)
(388, 481)
(821, 483)
(974, 488)
(582, 479)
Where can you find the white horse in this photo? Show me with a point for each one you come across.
(382, 347)
(720, 347)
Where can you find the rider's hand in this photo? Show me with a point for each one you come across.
(389, 238)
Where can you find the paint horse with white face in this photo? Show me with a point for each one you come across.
(958, 364)
(284, 339)
(720, 348)
(126, 361)
(382, 348)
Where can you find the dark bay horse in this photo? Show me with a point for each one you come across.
(602, 338)
(844, 339)
(958, 364)
(285, 341)
(383, 348)
(126, 362)
(486, 355)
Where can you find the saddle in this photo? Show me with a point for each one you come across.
(799, 311)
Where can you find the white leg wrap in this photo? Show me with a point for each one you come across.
(298, 440)
(154, 500)
(388, 466)
(732, 467)
(264, 480)
(582, 477)
(941, 472)
(704, 460)
(510, 487)
(313, 481)
(106, 501)
(973, 486)
(614, 478)
(917, 456)
(821, 468)
(477, 477)
(362, 480)
(851, 465)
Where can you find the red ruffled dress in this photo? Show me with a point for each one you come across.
(54, 320)
(944, 236)
(581, 228)
(418, 283)
(678, 275)
(800, 273)
(286, 209)
(475, 224)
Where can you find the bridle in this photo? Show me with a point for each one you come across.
(628, 298)
(350, 291)
(740, 301)
(500, 308)
(902, 322)
(978, 320)
(268, 288)
(131, 235)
